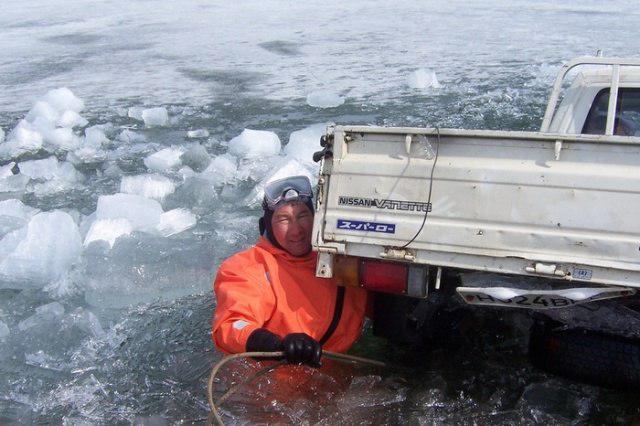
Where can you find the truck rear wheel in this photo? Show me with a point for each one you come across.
(588, 356)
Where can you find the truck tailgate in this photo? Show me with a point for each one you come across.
(512, 202)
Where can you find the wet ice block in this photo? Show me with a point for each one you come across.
(221, 170)
(22, 139)
(40, 252)
(155, 117)
(168, 158)
(200, 133)
(108, 230)
(44, 313)
(71, 119)
(63, 99)
(422, 79)
(304, 143)
(196, 157)
(4, 330)
(14, 215)
(52, 175)
(324, 99)
(175, 221)
(148, 185)
(143, 213)
(255, 144)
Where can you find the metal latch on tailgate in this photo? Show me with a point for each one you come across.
(398, 254)
(545, 269)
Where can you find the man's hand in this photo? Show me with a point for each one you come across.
(301, 348)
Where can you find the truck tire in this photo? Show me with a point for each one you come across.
(587, 356)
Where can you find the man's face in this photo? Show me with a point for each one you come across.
(292, 224)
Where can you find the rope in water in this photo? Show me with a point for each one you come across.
(214, 371)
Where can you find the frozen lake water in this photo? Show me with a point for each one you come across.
(136, 137)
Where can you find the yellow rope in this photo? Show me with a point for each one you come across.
(214, 405)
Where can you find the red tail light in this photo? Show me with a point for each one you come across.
(389, 277)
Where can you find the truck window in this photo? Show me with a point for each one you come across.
(627, 113)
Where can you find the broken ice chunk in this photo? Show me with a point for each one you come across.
(255, 144)
(4, 330)
(1, 135)
(41, 251)
(71, 119)
(221, 170)
(155, 117)
(86, 321)
(175, 221)
(135, 113)
(149, 186)
(196, 157)
(168, 158)
(108, 230)
(304, 143)
(200, 133)
(63, 99)
(422, 79)
(40, 169)
(130, 136)
(44, 313)
(143, 213)
(13, 215)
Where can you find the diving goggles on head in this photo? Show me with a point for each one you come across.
(293, 188)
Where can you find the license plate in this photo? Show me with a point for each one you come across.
(538, 299)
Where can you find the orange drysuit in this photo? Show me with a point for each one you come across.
(266, 287)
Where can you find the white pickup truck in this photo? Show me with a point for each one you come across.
(399, 208)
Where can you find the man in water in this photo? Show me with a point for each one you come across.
(268, 297)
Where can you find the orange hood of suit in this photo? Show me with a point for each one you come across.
(266, 287)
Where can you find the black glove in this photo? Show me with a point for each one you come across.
(301, 348)
(262, 340)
